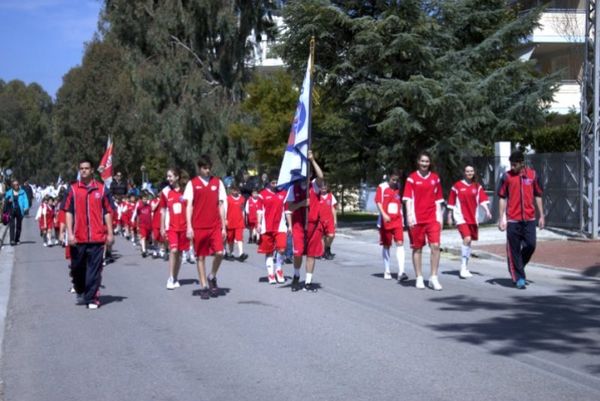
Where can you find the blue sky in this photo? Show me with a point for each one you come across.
(40, 40)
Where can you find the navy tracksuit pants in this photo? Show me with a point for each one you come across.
(520, 245)
(86, 269)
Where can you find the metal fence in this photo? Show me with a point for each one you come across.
(559, 174)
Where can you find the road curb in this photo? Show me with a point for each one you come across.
(7, 258)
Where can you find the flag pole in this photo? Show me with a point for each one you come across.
(308, 149)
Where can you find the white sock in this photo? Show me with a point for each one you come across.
(278, 260)
(269, 263)
(296, 272)
(308, 278)
(400, 257)
(240, 247)
(385, 254)
(465, 252)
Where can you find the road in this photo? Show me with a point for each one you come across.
(359, 338)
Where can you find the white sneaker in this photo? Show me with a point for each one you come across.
(170, 284)
(387, 276)
(420, 284)
(434, 284)
(272, 279)
(191, 260)
(93, 305)
(464, 273)
(176, 284)
(280, 277)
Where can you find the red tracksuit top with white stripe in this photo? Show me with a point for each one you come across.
(520, 190)
(88, 205)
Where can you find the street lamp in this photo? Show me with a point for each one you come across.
(144, 174)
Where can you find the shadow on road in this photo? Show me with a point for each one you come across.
(109, 299)
(566, 323)
(222, 292)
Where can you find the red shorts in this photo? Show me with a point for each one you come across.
(145, 232)
(156, 234)
(418, 233)
(251, 225)
(386, 236)
(235, 234)
(178, 240)
(468, 230)
(48, 226)
(208, 241)
(272, 241)
(314, 242)
(328, 227)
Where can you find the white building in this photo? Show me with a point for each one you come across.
(558, 46)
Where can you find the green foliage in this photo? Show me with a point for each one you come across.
(560, 133)
(414, 75)
(25, 123)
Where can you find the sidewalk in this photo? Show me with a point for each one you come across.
(556, 248)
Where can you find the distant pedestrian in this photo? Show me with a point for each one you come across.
(29, 191)
(89, 228)
(329, 217)
(16, 205)
(466, 196)
(520, 192)
(118, 186)
(235, 224)
(424, 198)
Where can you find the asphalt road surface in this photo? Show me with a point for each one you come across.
(359, 338)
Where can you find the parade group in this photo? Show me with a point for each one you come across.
(192, 219)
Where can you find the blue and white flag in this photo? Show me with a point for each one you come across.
(294, 166)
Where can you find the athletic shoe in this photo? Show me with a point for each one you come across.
(280, 276)
(46, 245)
(420, 284)
(72, 290)
(387, 276)
(521, 284)
(328, 256)
(272, 279)
(204, 293)
(176, 284)
(154, 255)
(434, 283)
(464, 273)
(79, 299)
(95, 304)
(191, 260)
(402, 277)
(295, 284)
(242, 257)
(228, 257)
(104, 263)
(170, 284)
(310, 287)
(213, 287)
(144, 254)
(166, 256)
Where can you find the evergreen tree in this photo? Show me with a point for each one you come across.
(416, 74)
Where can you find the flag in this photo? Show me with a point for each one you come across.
(105, 167)
(294, 166)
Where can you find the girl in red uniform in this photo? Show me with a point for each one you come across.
(143, 219)
(251, 209)
(235, 224)
(423, 197)
(464, 200)
(173, 223)
(45, 218)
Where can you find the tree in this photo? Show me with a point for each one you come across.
(25, 123)
(414, 75)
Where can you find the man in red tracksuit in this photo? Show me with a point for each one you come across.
(88, 209)
(520, 192)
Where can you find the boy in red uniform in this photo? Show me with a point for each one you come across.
(251, 209)
(391, 228)
(520, 193)
(273, 230)
(329, 218)
(465, 198)
(205, 218)
(235, 224)
(142, 216)
(89, 228)
(308, 239)
(423, 196)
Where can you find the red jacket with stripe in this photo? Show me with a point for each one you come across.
(88, 205)
(520, 190)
